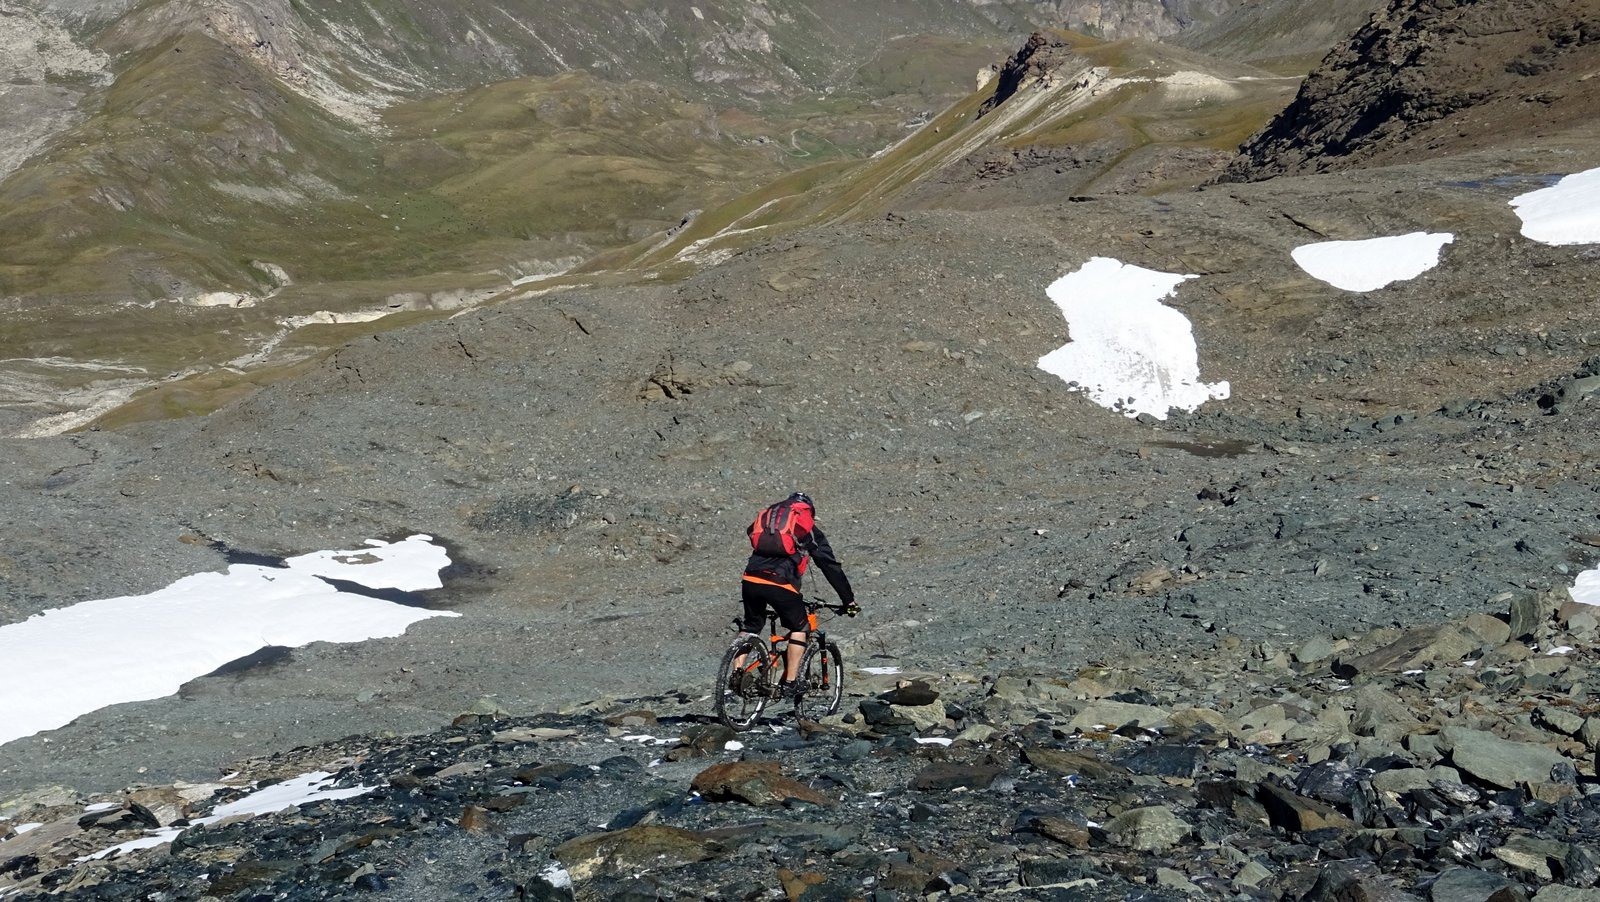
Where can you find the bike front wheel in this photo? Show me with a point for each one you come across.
(821, 682)
(743, 683)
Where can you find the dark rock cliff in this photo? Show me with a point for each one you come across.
(1436, 77)
(1038, 60)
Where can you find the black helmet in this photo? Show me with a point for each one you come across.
(803, 498)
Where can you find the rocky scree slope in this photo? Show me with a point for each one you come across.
(1450, 761)
(592, 456)
(1426, 78)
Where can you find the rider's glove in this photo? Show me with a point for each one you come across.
(852, 609)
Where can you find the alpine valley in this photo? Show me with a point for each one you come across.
(1202, 395)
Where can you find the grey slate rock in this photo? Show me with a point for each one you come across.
(1154, 828)
(1467, 885)
(1167, 761)
(1500, 762)
(1530, 612)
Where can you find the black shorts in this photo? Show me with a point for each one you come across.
(790, 606)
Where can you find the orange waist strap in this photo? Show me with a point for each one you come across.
(767, 582)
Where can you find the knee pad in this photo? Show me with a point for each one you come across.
(805, 641)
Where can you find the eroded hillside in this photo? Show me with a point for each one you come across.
(211, 183)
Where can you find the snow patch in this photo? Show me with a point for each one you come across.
(881, 671)
(1586, 588)
(67, 662)
(647, 739)
(934, 740)
(1567, 212)
(291, 793)
(1373, 263)
(556, 875)
(1129, 352)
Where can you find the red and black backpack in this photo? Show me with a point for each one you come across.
(777, 529)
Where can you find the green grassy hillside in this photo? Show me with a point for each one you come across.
(1129, 116)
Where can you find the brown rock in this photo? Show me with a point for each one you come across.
(795, 885)
(754, 783)
(639, 718)
(1491, 629)
(474, 819)
(1069, 763)
(1192, 720)
(635, 849)
(700, 740)
(1063, 831)
(949, 775)
(1298, 814)
(911, 693)
(505, 802)
(165, 803)
(1413, 649)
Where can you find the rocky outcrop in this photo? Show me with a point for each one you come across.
(1036, 65)
(1428, 78)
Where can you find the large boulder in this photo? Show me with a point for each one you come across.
(1378, 713)
(1467, 885)
(945, 775)
(1499, 762)
(621, 853)
(759, 783)
(1297, 813)
(1114, 715)
(1414, 649)
(1068, 763)
(1153, 828)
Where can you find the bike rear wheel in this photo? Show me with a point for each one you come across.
(821, 682)
(740, 701)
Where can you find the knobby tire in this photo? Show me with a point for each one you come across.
(739, 709)
(822, 682)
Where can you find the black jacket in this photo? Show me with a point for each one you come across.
(788, 569)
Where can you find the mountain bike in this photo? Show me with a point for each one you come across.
(752, 667)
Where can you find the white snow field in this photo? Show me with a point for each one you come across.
(1586, 588)
(66, 662)
(1567, 212)
(1129, 352)
(1372, 263)
(293, 792)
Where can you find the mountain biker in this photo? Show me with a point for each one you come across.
(783, 536)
